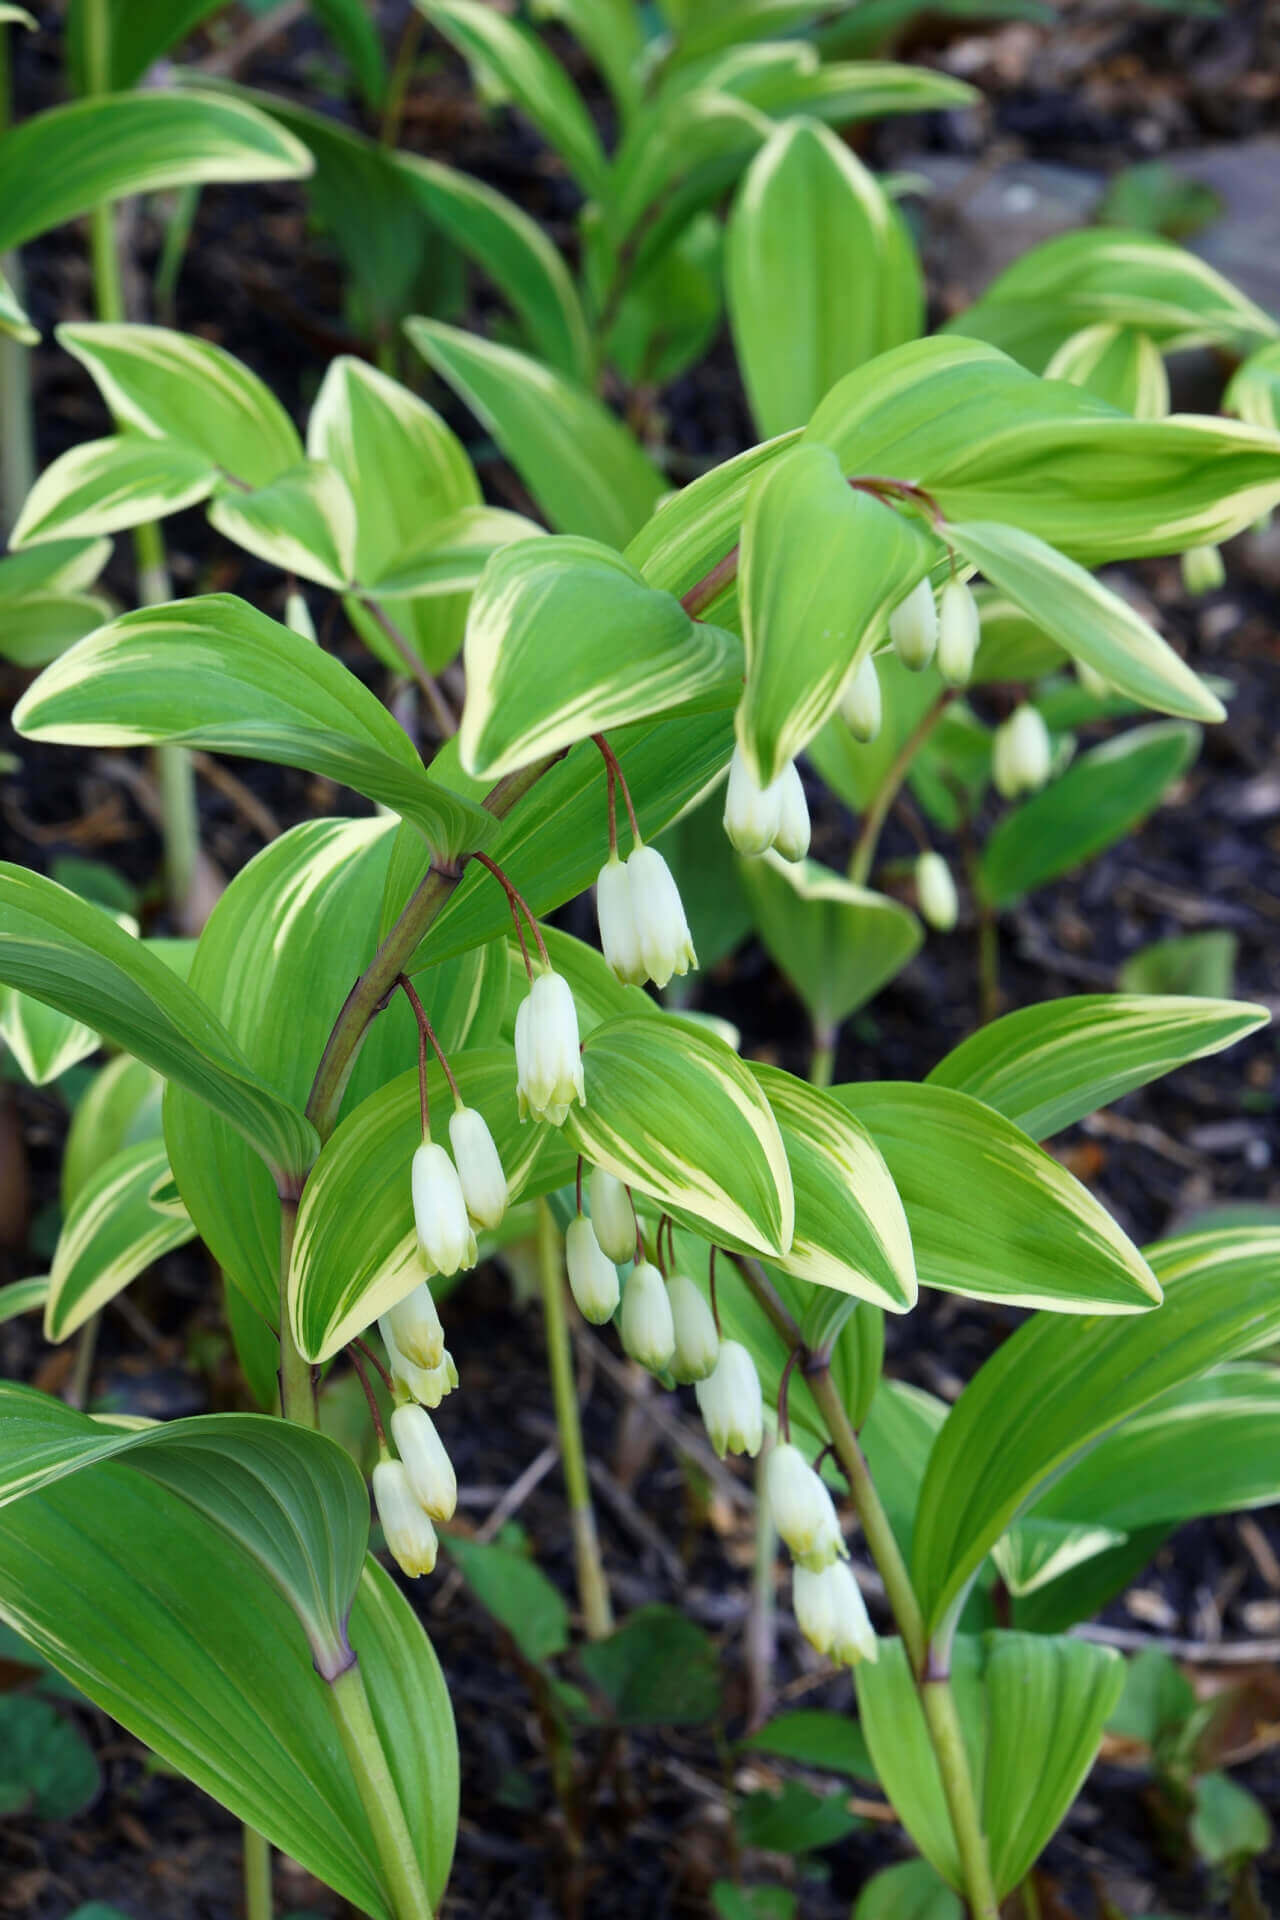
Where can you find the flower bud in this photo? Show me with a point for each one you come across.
(430, 1470)
(802, 1509)
(959, 632)
(936, 892)
(615, 910)
(484, 1184)
(832, 1614)
(861, 707)
(593, 1278)
(1202, 570)
(792, 837)
(752, 813)
(1023, 753)
(913, 627)
(697, 1343)
(658, 912)
(445, 1238)
(731, 1403)
(548, 1063)
(645, 1325)
(411, 1538)
(611, 1215)
(413, 1324)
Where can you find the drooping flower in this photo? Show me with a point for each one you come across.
(666, 946)
(645, 1323)
(445, 1237)
(593, 1278)
(802, 1508)
(959, 631)
(1022, 753)
(484, 1184)
(611, 1215)
(414, 1325)
(936, 892)
(792, 838)
(861, 707)
(913, 627)
(697, 1344)
(730, 1402)
(430, 1470)
(832, 1614)
(411, 1538)
(752, 813)
(619, 935)
(427, 1385)
(548, 1063)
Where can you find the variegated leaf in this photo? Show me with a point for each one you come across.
(112, 1233)
(101, 486)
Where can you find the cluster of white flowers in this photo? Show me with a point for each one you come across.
(829, 1605)
(757, 818)
(415, 1491)
(453, 1197)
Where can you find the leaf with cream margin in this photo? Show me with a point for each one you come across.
(303, 521)
(102, 486)
(564, 640)
(113, 1232)
(837, 943)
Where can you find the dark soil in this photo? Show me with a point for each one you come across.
(1115, 84)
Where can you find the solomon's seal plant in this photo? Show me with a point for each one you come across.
(806, 602)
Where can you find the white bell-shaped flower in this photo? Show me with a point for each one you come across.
(645, 1323)
(832, 1614)
(411, 1538)
(430, 1470)
(484, 1184)
(1022, 755)
(752, 813)
(936, 892)
(959, 631)
(612, 1215)
(861, 707)
(666, 946)
(619, 934)
(414, 1325)
(913, 627)
(730, 1402)
(802, 1509)
(792, 837)
(548, 1063)
(445, 1237)
(697, 1347)
(593, 1278)
(427, 1385)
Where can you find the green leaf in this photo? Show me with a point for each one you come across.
(408, 477)
(518, 1595)
(515, 253)
(447, 561)
(76, 958)
(910, 1891)
(798, 325)
(678, 153)
(119, 1108)
(815, 1738)
(62, 162)
(112, 1233)
(1103, 274)
(1157, 1700)
(15, 323)
(47, 1767)
(1198, 963)
(1253, 390)
(659, 1669)
(671, 310)
(821, 568)
(1087, 620)
(564, 639)
(1054, 1387)
(1228, 1825)
(213, 1622)
(512, 64)
(175, 386)
(1120, 365)
(136, 33)
(303, 522)
(1036, 1552)
(1098, 799)
(715, 903)
(580, 464)
(897, 1436)
(54, 567)
(611, 32)
(836, 943)
(1046, 1067)
(673, 1112)
(555, 842)
(1032, 1711)
(992, 1216)
(795, 1819)
(43, 625)
(355, 1252)
(844, 91)
(243, 684)
(355, 33)
(279, 982)
(732, 1902)
(22, 1296)
(43, 1041)
(101, 486)
(850, 1229)
(993, 443)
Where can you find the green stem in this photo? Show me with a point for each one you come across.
(943, 1722)
(822, 1061)
(988, 963)
(297, 1390)
(349, 1705)
(864, 852)
(593, 1589)
(17, 440)
(257, 1876)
